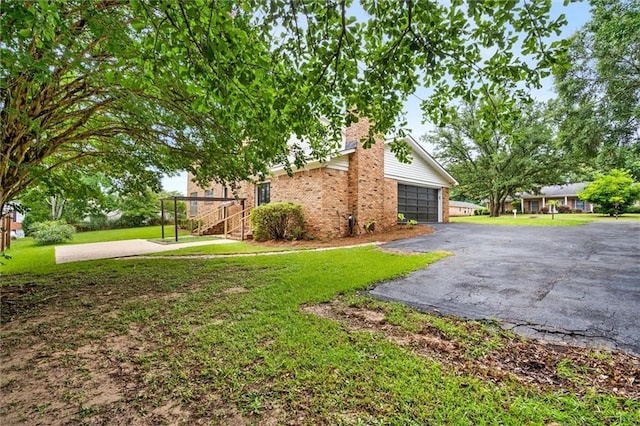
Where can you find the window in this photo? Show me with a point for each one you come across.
(208, 193)
(580, 205)
(193, 205)
(263, 195)
(225, 194)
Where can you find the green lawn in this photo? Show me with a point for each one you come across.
(27, 256)
(145, 233)
(229, 248)
(543, 219)
(228, 341)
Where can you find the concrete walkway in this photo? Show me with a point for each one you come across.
(111, 249)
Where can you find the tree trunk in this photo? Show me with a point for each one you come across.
(494, 206)
(57, 207)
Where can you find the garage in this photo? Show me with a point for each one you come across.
(418, 203)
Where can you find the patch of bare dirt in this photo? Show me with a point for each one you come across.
(530, 362)
(235, 290)
(398, 232)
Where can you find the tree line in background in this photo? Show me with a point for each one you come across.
(112, 93)
(91, 206)
(497, 148)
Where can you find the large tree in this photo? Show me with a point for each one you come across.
(599, 89)
(497, 148)
(136, 88)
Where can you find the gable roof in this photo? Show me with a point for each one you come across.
(454, 203)
(339, 157)
(566, 190)
(422, 154)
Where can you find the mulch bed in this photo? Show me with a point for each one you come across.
(398, 232)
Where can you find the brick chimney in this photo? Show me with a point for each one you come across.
(366, 177)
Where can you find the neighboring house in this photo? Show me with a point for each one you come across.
(462, 208)
(565, 195)
(369, 185)
(16, 222)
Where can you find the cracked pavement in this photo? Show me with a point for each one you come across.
(579, 285)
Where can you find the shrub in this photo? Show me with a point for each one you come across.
(632, 209)
(564, 209)
(544, 210)
(52, 232)
(577, 210)
(277, 221)
(95, 223)
(370, 227)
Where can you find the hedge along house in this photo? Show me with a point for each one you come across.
(369, 185)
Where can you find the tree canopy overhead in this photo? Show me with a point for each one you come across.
(142, 87)
(599, 89)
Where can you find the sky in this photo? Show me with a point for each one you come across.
(577, 14)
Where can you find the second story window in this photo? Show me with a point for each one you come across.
(193, 205)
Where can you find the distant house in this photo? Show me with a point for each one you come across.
(366, 185)
(462, 208)
(565, 195)
(16, 222)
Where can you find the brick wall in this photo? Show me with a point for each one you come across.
(366, 178)
(323, 194)
(218, 191)
(390, 203)
(445, 205)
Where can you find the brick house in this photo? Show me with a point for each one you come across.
(462, 208)
(370, 184)
(565, 195)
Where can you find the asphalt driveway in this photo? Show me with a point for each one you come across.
(577, 284)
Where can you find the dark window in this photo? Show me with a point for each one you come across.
(193, 205)
(225, 194)
(418, 203)
(264, 193)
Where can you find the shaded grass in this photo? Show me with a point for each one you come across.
(229, 248)
(145, 233)
(227, 338)
(543, 220)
